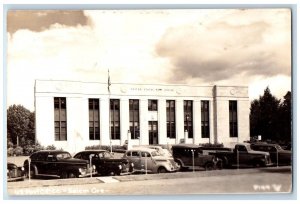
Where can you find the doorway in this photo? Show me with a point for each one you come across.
(153, 133)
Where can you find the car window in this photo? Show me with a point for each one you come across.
(135, 154)
(64, 155)
(147, 154)
(78, 156)
(241, 148)
(50, 157)
(128, 154)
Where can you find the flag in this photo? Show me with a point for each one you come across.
(108, 83)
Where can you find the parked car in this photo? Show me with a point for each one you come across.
(243, 155)
(190, 156)
(56, 163)
(161, 151)
(15, 173)
(105, 163)
(278, 155)
(149, 160)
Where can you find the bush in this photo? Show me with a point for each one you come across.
(115, 148)
(18, 151)
(220, 145)
(29, 149)
(50, 147)
(10, 151)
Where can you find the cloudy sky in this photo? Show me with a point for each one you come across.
(249, 47)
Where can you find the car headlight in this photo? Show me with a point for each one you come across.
(22, 168)
(120, 167)
(94, 167)
(132, 164)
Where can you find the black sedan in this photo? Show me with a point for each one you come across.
(278, 155)
(105, 163)
(15, 173)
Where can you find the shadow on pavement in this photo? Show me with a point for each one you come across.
(286, 169)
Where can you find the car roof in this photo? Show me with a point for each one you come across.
(141, 149)
(93, 151)
(185, 146)
(263, 144)
(50, 151)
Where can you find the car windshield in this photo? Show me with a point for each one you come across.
(64, 155)
(155, 153)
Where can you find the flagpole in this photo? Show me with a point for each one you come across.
(109, 122)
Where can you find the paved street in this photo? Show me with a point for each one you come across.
(264, 180)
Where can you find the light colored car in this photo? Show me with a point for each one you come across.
(150, 161)
(161, 151)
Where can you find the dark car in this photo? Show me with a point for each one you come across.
(15, 173)
(277, 154)
(56, 163)
(105, 163)
(191, 156)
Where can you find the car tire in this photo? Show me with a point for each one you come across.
(72, 175)
(209, 166)
(63, 175)
(32, 173)
(161, 170)
(180, 165)
(219, 165)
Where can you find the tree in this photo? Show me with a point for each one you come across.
(286, 117)
(20, 125)
(264, 116)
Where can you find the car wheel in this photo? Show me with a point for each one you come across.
(209, 166)
(179, 165)
(112, 173)
(72, 175)
(219, 165)
(32, 174)
(64, 175)
(161, 170)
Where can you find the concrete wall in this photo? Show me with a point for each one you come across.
(78, 93)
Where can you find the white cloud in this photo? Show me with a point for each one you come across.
(125, 42)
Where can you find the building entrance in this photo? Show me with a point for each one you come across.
(153, 133)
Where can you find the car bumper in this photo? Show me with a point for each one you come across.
(21, 178)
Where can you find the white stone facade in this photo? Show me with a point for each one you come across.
(77, 95)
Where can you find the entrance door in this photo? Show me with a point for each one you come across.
(153, 133)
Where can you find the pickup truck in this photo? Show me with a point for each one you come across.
(55, 163)
(241, 155)
(188, 156)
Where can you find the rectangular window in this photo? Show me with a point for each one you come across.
(134, 118)
(94, 130)
(188, 117)
(115, 119)
(205, 119)
(233, 126)
(152, 105)
(171, 123)
(60, 119)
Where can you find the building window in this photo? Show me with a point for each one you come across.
(233, 126)
(171, 123)
(134, 118)
(205, 119)
(188, 117)
(94, 130)
(60, 119)
(152, 105)
(115, 119)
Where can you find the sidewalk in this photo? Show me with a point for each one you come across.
(141, 177)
